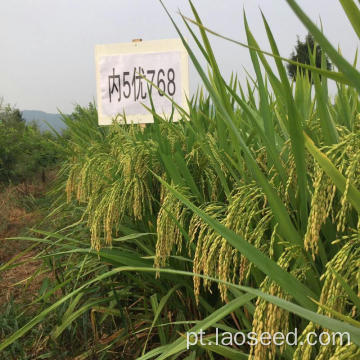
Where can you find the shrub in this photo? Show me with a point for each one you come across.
(24, 150)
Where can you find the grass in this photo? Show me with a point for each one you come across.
(243, 216)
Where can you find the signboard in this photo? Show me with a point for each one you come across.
(122, 89)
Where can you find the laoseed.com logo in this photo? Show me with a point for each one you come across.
(252, 338)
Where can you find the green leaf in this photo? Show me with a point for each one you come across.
(158, 311)
(286, 227)
(324, 321)
(295, 126)
(225, 351)
(348, 70)
(180, 344)
(338, 315)
(264, 103)
(353, 13)
(349, 291)
(336, 76)
(335, 175)
(58, 330)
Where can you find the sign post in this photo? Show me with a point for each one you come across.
(122, 89)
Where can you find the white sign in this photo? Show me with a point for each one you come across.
(122, 89)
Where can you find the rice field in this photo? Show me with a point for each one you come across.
(243, 216)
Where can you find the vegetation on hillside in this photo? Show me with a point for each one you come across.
(243, 216)
(24, 150)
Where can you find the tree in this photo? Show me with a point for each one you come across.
(11, 117)
(301, 55)
(24, 150)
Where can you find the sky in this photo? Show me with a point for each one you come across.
(47, 46)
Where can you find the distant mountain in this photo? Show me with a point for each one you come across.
(41, 117)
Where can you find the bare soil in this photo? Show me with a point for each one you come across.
(16, 282)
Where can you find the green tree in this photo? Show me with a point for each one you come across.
(11, 117)
(302, 55)
(24, 150)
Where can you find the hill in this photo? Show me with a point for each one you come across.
(42, 118)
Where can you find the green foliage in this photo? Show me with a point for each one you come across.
(304, 50)
(24, 150)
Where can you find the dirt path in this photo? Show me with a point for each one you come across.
(14, 281)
